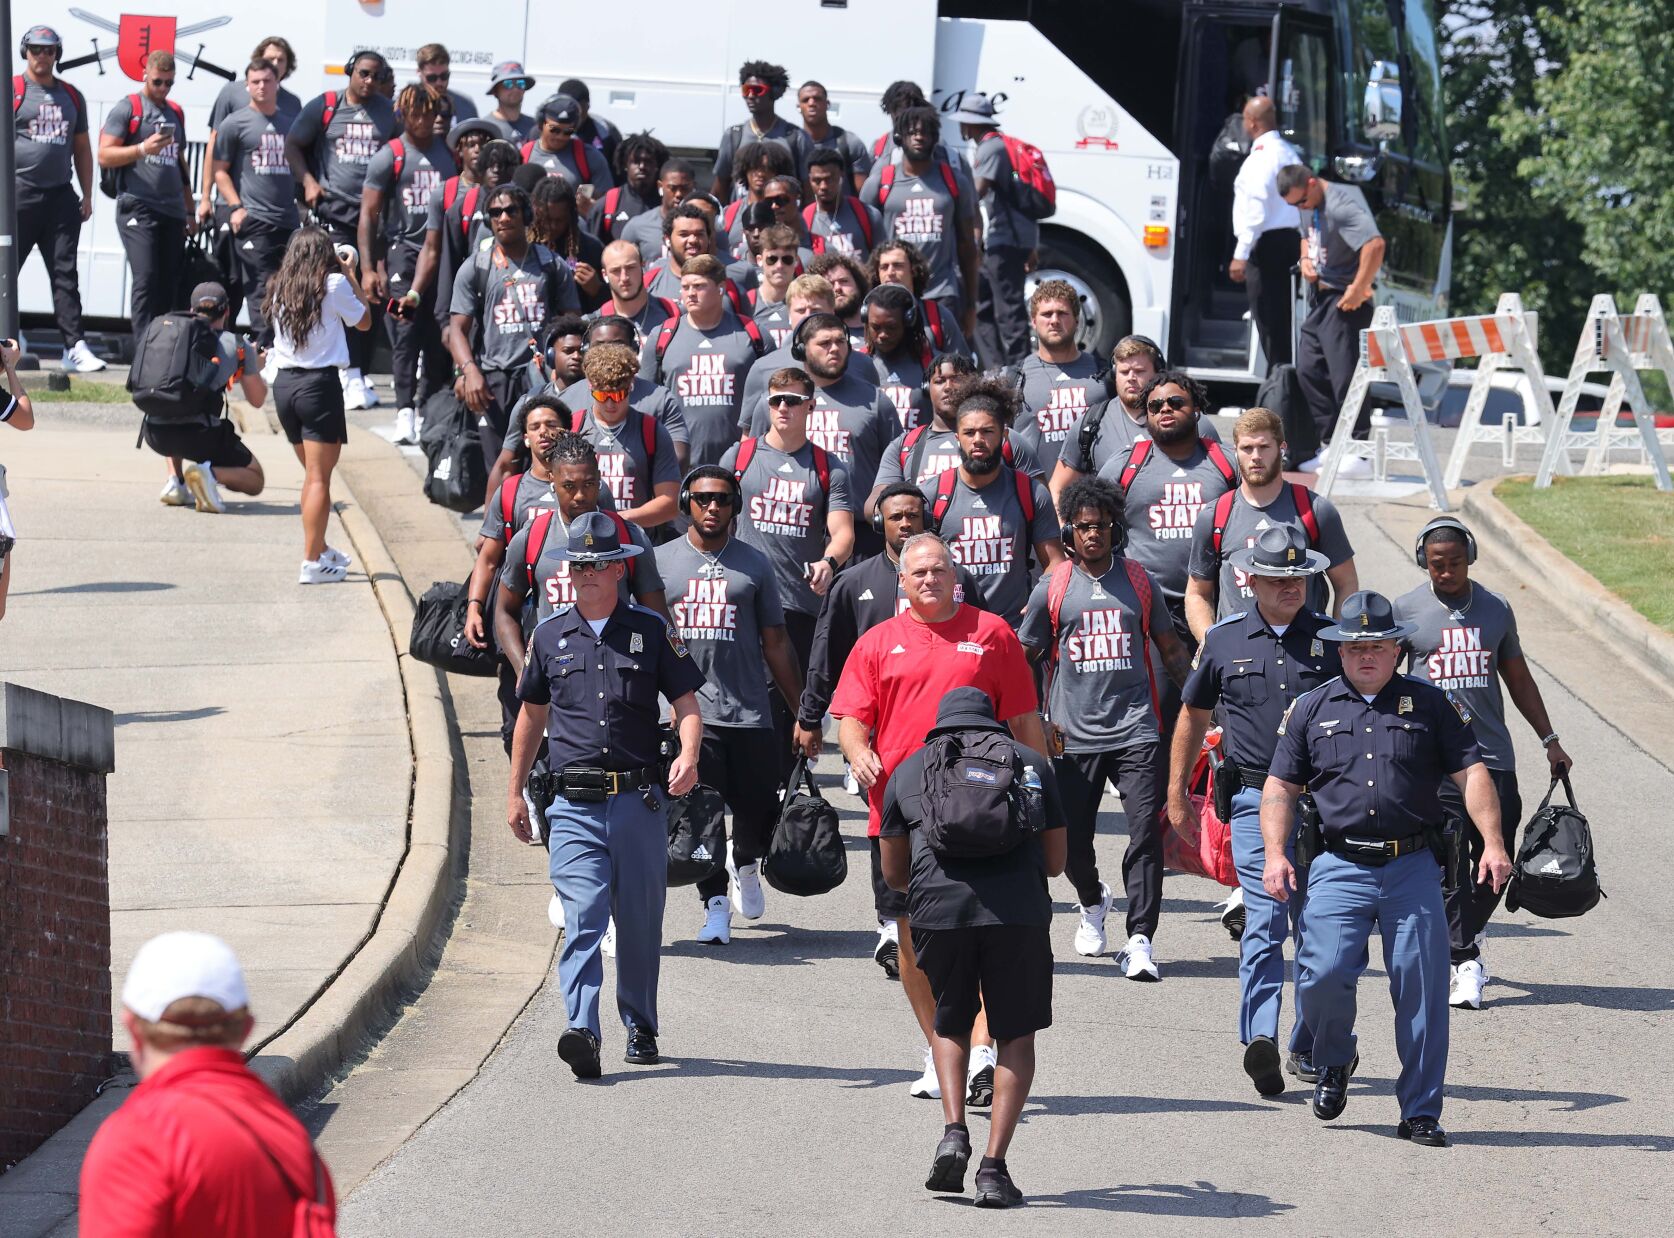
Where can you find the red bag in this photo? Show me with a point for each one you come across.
(1205, 848)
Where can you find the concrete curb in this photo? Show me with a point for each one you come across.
(367, 990)
(1573, 591)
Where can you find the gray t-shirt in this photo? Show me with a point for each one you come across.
(156, 180)
(531, 496)
(773, 317)
(564, 163)
(924, 210)
(784, 514)
(791, 137)
(253, 147)
(988, 535)
(1160, 512)
(235, 95)
(1101, 683)
(1008, 227)
(407, 201)
(1335, 233)
(44, 128)
(705, 370)
(753, 418)
(510, 300)
(935, 451)
(517, 132)
(646, 231)
(720, 607)
(902, 378)
(1116, 435)
(624, 468)
(552, 576)
(855, 422)
(339, 154)
(643, 397)
(1244, 524)
(847, 144)
(1462, 652)
(1055, 397)
(840, 231)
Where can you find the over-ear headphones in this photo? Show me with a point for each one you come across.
(613, 320)
(1160, 360)
(1118, 536)
(359, 54)
(799, 343)
(931, 524)
(23, 44)
(1444, 522)
(691, 476)
(909, 312)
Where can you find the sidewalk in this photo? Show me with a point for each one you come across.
(264, 762)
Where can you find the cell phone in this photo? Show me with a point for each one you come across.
(166, 128)
(397, 306)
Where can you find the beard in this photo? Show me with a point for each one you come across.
(820, 369)
(982, 466)
(848, 307)
(1179, 434)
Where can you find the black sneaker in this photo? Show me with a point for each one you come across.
(580, 1048)
(947, 1171)
(979, 1092)
(1261, 1064)
(642, 1048)
(995, 1189)
(1302, 1066)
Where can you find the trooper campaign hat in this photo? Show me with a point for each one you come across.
(1279, 551)
(593, 539)
(1367, 616)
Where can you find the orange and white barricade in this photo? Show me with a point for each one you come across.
(1504, 340)
(1623, 347)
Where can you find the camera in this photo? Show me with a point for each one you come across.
(348, 255)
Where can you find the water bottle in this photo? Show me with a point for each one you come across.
(1034, 802)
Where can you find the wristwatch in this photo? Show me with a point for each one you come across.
(835, 566)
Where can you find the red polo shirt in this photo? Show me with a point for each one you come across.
(899, 671)
(174, 1160)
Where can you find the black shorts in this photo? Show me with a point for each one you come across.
(217, 444)
(310, 404)
(891, 904)
(1006, 969)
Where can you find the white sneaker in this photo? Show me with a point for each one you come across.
(1355, 466)
(1233, 915)
(318, 572)
(371, 389)
(200, 480)
(887, 953)
(851, 784)
(354, 391)
(927, 1086)
(1089, 934)
(979, 1076)
(79, 357)
(1468, 979)
(607, 943)
(1135, 959)
(717, 921)
(1312, 464)
(329, 555)
(406, 430)
(175, 493)
(747, 898)
(555, 912)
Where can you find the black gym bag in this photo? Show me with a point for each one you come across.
(438, 635)
(697, 836)
(1554, 876)
(455, 476)
(806, 855)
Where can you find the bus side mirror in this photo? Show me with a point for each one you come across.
(1382, 106)
(1356, 169)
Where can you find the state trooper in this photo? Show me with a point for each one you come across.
(1372, 747)
(1253, 665)
(590, 682)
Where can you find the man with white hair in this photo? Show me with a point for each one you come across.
(202, 1146)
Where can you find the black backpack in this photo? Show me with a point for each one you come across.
(173, 378)
(1282, 393)
(697, 836)
(972, 804)
(455, 476)
(1554, 876)
(806, 855)
(438, 635)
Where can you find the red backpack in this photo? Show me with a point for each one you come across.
(578, 152)
(1299, 494)
(671, 324)
(910, 447)
(817, 243)
(19, 86)
(537, 542)
(1142, 449)
(934, 325)
(747, 453)
(1057, 586)
(886, 181)
(946, 483)
(396, 145)
(450, 194)
(1036, 194)
(612, 199)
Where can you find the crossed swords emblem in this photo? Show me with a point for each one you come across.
(194, 59)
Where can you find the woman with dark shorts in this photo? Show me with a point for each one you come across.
(310, 299)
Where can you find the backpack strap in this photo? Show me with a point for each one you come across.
(741, 463)
(934, 324)
(624, 538)
(1136, 459)
(75, 96)
(878, 146)
(326, 113)
(648, 436)
(1007, 454)
(1091, 422)
(19, 87)
(527, 149)
(508, 507)
(730, 217)
(400, 149)
(1140, 579)
(450, 193)
(537, 540)
(862, 220)
(1223, 513)
(886, 182)
(1057, 586)
(908, 444)
(1304, 500)
(822, 467)
(949, 179)
(136, 109)
(944, 495)
(1222, 465)
(578, 152)
(467, 209)
(612, 199)
(1026, 500)
(735, 295)
(754, 332)
(665, 337)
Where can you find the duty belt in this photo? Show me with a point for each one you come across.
(1375, 851)
(589, 784)
(1256, 778)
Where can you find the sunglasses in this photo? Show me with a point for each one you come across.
(495, 212)
(41, 51)
(443, 76)
(1176, 402)
(518, 83)
(712, 498)
(162, 83)
(753, 90)
(786, 400)
(610, 395)
(578, 568)
(366, 75)
(778, 260)
(1092, 526)
(779, 200)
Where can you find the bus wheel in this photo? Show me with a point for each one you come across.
(1105, 314)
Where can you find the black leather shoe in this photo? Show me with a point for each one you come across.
(1261, 1064)
(1302, 1066)
(947, 1171)
(642, 1048)
(580, 1048)
(1331, 1093)
(1426, 1131)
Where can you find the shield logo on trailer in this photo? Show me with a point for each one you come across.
(137, 37)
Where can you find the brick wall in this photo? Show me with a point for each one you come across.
(55, 998)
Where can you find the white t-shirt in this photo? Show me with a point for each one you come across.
(327, 346)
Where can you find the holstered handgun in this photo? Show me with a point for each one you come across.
(1309, 840)
(1444, 845)
(1226, 780)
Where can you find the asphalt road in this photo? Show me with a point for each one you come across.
(781, 1105)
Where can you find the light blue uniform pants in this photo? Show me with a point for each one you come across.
(610, 859)
(1403, 899)
(1267, 922)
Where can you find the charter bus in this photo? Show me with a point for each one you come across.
(1125, 97)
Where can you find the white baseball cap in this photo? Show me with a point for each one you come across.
(176, 965)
